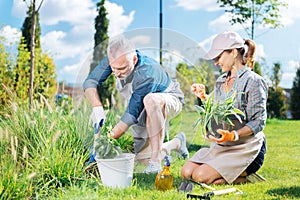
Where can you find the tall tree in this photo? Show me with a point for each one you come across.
(295, 96)
(261, 12)
(101, 36)
(33, 16)
(27, 29)
(100, 46)
(276, 75)
(276, 103)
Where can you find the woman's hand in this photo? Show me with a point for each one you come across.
(226, 136)
(199, 90)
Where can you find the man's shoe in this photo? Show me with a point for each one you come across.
(152, 167)
(183, 151)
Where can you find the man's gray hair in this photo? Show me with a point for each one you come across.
(118, 46)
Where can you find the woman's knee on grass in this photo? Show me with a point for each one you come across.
(187, 170)
(205, 174)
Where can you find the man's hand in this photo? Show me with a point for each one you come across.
(98, 116)
(199, 91)
(226, 136)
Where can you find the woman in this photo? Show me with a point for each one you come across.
(240, 151)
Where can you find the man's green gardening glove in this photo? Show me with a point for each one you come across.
(226, 136)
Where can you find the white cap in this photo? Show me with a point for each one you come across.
(224, 41)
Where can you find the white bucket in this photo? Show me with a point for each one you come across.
(116, 172)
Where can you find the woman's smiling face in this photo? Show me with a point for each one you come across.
(225, 60)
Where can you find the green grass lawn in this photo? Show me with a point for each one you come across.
(281, 169)
(43, 156)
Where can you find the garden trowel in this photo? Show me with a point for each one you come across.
(96, 135)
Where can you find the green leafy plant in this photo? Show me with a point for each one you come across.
(217, 112)
(108, 147)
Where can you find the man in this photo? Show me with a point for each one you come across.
(153, 96)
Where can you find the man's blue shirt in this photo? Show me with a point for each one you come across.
(147, 77)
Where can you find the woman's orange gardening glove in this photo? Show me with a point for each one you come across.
(226, 136)
(199, 91)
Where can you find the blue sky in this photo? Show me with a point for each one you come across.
(67, 29)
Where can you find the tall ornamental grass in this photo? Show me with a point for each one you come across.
(42, 149)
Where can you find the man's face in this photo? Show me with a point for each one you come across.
(122, 66)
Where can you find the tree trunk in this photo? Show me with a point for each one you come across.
(32, 45)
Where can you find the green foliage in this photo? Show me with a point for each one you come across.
(107, 147)
(261, 12)
(295, 96)
(48, 150)
(26, 30)
(276, 75)
(105, 90)
(64, 104)
(257, 68)
(187, 75)
(44, 75)
(51, 150)
(276, 105)
(15, 182)
(15, 72)
(101, 36)
(6, 75)
(218, 112)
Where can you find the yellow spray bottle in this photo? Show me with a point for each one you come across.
(164, 179)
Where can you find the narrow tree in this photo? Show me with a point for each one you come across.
(100, 46)
(101, 36)
(27, 30)
(276, 103)
(295, 96)
(254, 12)
(34, 72)
(34, 13)
(276, 75)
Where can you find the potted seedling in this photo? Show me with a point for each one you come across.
(115, 167)
(215, 114)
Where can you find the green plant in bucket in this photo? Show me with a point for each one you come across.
(218, 112)
(107, 147)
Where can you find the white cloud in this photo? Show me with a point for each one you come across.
(141, 39)
(53, 12)
(290, 14)
(19, 9)
(289, 73)
(78, 30)
(206, 44)
(208, 5)
(292, 66)
(260, 52)
(118, 22)
(11, 35)
(72, 29)
(56, 44)
(76, 73)
(75, 12)
(222, 23)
